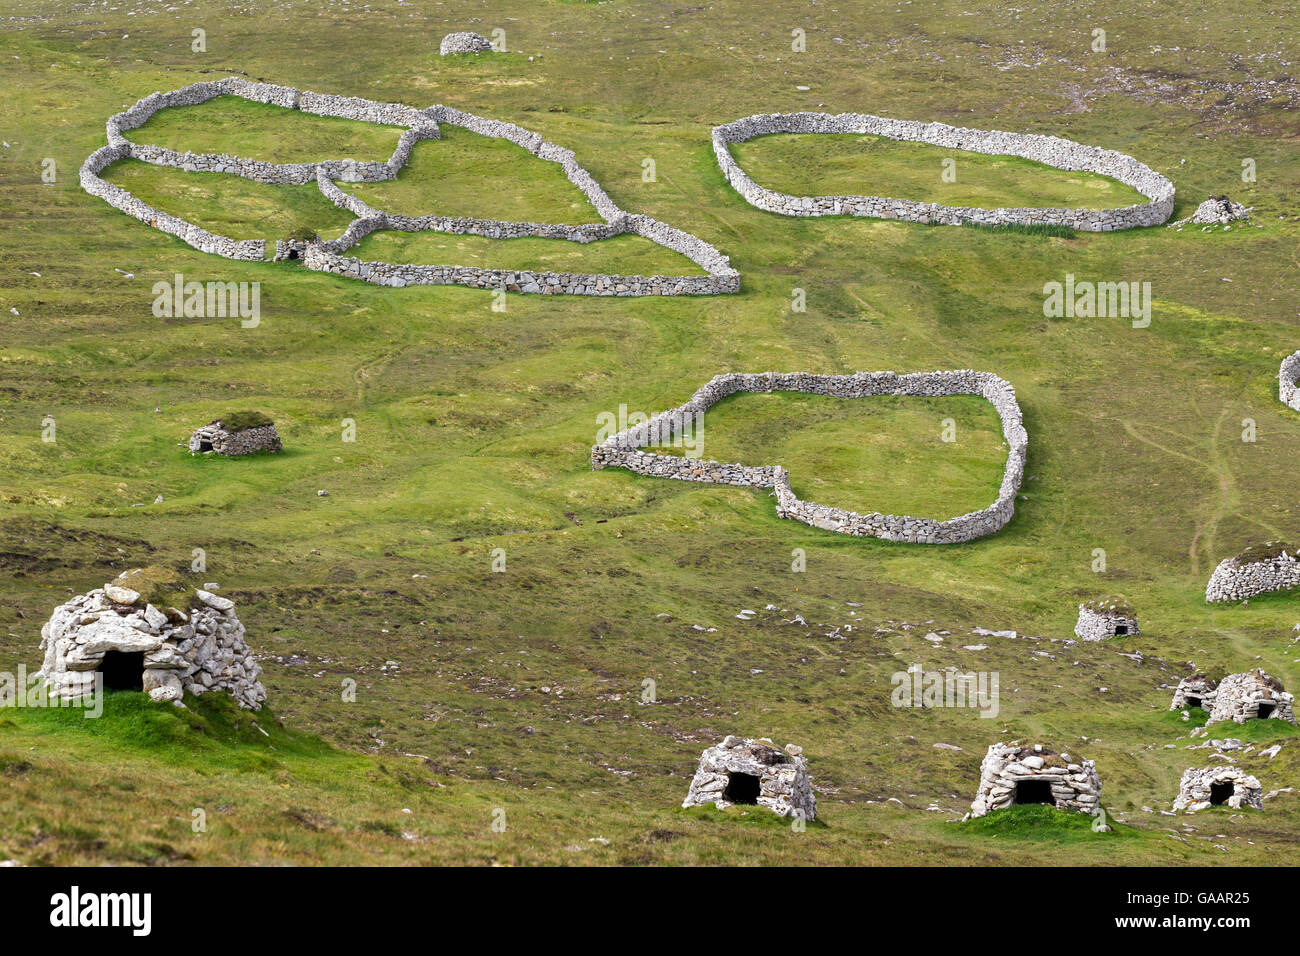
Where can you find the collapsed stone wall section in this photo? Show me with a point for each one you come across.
(1049, 150)
(1288, 377)
(327, 256)
(625, 450)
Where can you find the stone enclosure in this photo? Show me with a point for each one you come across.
(1011, 775)
(741, 771)
(327, 256)
(1218, 786)
(193, 642)
(1255, 571)
(1252, 695)
(216, 437)
(1099, 620)
(1050, 150)
(624, 450)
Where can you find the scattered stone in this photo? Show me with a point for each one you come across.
(742, 771)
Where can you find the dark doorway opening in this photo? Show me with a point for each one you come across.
(1265, 710)
(1219, 793)
(741, 788)
(1034, 791)
(1121, 629)
(1193, 702)
(205, 446)
(293, 253)
(123, 670)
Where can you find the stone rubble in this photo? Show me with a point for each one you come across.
(327, 256)
(464, 43)
(624, 450)
(1074, 784)
(777, 779)
(194, 649)
(1050, 150)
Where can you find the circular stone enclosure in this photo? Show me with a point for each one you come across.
(1049, 150)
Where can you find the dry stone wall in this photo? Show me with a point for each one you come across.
(1050, 150)
(328, 256)
(744, 771)
(1007, 769)
(1287, 378)
(1251, 695)
(625, 450)
(1237, 580)
(1232, 787)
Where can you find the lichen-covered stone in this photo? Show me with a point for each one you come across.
(1249, 696)
(1071, 784)
(1218, 786)
(742, 771)
(197, 649)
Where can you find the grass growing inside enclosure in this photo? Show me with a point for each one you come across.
(230, 205)
(273, 134)
(849, 164)
(627, 254)
(885, 453)
(463, 174)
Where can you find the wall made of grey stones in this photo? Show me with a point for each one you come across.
(421, 124)
(1050, 150)
(625, 450)
(1236, 581)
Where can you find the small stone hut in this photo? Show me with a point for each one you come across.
(1012, 775)
(742, 771)
(1099, 620)
(145, 631)
(464, 43)
(1249, 696)
(1193, 692)
(237, 433)
(1218, 786)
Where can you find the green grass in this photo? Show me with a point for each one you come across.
(272, 134)
(465, 174)
(845, 164)
(230, 205)
(521, 690)
(624, 255)
(885, 454)
(1040, 823)
(242, 420)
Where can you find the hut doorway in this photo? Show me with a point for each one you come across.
(123, 670)
(741, 788)
(1034, 791)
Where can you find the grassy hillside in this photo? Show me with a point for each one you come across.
(522, 690)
